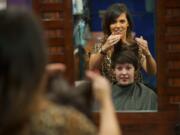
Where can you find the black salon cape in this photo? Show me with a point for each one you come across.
(134, 97)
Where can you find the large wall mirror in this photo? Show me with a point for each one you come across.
(143, 16)
(166, 37)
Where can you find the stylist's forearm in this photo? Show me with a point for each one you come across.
(151, 65)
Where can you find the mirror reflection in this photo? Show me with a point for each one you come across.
(117, 40)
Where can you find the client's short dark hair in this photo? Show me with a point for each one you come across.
(126, 56)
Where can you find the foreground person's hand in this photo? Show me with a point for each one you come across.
(100, 85)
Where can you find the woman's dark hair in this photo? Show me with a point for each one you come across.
(112, 13)
(120, 47)
(23, 57)
(125, 56)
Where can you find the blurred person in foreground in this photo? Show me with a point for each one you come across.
(24, 108)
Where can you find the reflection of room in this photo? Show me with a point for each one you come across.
(143, 18)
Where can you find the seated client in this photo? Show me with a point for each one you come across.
(127, 93)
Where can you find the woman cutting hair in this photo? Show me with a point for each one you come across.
(118, 36)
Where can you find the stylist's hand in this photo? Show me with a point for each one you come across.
(110, 42)
(143, 44)
(101, 87)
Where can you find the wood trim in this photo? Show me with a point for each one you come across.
(59, 32)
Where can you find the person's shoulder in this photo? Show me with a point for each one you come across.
(77, 122)
(146, 89)
(65, 118)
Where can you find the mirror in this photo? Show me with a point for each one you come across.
(143, 15)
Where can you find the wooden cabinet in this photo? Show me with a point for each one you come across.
(56, 17)
(168, 47)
